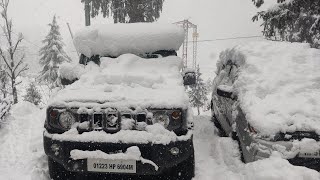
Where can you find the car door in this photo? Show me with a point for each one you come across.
(222, 106)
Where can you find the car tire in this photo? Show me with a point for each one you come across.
(217, 124)
(184, 170)
(57, 171)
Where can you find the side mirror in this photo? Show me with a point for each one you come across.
(66, 82)
(189, 78)
(226, 91)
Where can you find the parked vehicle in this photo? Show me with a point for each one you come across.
(264, 96)
(125, 111)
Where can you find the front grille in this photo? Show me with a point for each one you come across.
(108, 120)
(141, 117)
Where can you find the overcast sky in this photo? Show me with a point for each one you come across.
(215, 19)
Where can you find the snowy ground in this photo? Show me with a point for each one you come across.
(22, 156)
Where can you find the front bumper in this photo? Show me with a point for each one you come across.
(158, 153)
(262, 149)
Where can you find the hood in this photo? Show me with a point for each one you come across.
(127, 81)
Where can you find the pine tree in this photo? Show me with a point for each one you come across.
(291, 20)
(126, 11)
(52, 54)
(198, 92)
(33, 95)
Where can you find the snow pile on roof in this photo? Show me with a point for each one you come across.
(132, 153)
(127, 81)
(155, 134)
(117, 39)
(279, 85)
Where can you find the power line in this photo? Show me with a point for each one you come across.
(230, 38)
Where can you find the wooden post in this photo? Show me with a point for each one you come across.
(87, 12)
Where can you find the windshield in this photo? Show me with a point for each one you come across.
(158, 54)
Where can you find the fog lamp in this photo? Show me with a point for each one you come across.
(76, 166)
(55, 148)
(174, 151)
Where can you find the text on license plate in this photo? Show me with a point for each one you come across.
(315, 154)
(113, 166)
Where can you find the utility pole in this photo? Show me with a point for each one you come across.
(186, 24)
(87, 12)
(72, 36)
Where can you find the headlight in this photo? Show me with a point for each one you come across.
(66, 119)
(161, 118)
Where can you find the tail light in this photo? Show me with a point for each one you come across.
(251, 129)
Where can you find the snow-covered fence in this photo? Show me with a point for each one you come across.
(5, 105)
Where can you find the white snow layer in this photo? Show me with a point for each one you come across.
(127, 81)
(138, 38)
(22, 156)
(132, 153)
(155, 134)
(278, 85)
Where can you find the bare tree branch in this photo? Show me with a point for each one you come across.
(9, 74)
(17, 43)
(22, 70)
(5, 59)
(19, 63)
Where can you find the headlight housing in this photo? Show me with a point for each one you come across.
(66, 120)
(162, 118)
(170, 119)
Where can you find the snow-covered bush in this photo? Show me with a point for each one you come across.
(33, 95)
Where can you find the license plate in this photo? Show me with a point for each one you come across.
(112, 166)
(315, 154)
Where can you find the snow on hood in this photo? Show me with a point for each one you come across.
(278, 86)
(136, 38)
(128, 81)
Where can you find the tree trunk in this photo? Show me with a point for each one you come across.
(198, 108)
(14, 90)
(87, 13)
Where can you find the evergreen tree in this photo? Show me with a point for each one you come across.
(52, 54)
(33, 95)
(291, 20)
(198, 92)
(126, 11)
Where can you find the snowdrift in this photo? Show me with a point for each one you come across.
(136, 38)
(278, 85)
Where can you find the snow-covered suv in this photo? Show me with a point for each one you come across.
(267, 95)
(126, 111)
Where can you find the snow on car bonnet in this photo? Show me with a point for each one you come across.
(127, 81)
(278, 86)
(136, 38)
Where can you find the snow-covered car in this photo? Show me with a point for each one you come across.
(266, 95)
(126, 111)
